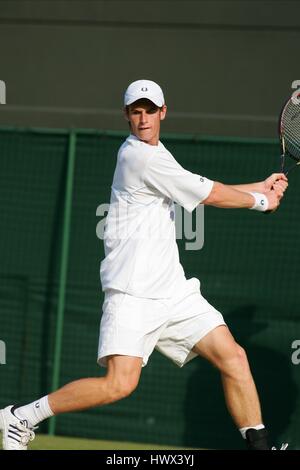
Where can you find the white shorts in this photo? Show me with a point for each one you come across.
(134, 326)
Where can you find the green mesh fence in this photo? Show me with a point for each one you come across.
(248, 269)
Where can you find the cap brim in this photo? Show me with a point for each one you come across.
(156, 100)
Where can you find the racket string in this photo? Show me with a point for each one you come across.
(290, 134)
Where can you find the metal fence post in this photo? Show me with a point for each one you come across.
(63, 268)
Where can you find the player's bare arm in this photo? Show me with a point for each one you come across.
(278, 179)
(227, 197)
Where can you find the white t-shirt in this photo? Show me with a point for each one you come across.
(141, 253)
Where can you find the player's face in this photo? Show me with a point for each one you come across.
(144, 117)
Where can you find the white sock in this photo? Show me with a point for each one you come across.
(244, 430)
(35, 412)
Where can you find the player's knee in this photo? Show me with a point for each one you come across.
(235, 362)
(241, 357)
(122, 387)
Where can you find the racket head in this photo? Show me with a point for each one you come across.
(289, 127)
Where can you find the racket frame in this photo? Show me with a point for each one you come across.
(284, 151)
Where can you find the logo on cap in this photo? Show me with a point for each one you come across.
(144, 89)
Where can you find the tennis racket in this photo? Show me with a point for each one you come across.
(289, 133)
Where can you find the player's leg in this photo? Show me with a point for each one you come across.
(17, 423)
(197, 328)
(220, 348)
(120, 381)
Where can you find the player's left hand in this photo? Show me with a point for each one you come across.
(279, 187)
(276, 181)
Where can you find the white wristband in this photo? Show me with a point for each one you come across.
(261, 202)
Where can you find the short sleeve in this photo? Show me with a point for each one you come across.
(164, 173)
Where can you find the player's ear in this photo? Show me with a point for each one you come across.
(163, 112)
(125, 112)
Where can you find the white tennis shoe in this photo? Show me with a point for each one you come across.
(283, 447)
(16, 433)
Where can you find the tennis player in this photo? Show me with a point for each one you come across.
(149, 303)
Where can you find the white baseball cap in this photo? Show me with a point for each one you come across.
(144, 89)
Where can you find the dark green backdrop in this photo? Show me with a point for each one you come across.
(248, 269)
